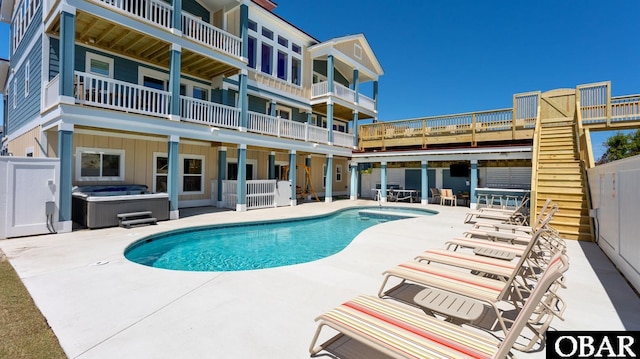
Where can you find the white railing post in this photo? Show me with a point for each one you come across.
(306, 132)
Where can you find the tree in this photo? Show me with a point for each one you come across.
(621, 146)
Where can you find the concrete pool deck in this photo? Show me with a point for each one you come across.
(100, 305)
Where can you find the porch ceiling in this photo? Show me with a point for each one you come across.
(101, 33)
(339, 111)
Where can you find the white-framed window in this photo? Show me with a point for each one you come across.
(99, 65)
(99, 164)
(274, 54)
(160, 172)
(24, 15)
(283, 112)
(29, 151)
(192, 174)
(200, 93)
(26, 78)
(338, 173)
(357, 51)
(232, 169)
(324, 175)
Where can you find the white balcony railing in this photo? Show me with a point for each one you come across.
(343, 139)
(119, 95)
(209, 35)
(51, 92)
(317, 134)
(153, 11)
(366, 102)
(209, 113)
(260, 193)
(279, 84)
(342, 92)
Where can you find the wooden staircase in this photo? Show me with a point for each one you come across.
(560, 176)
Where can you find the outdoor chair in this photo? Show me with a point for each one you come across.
(446, 194)
(435, 195)
(396, 331)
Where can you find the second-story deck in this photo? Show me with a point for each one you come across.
(598, 111)
(101, 92)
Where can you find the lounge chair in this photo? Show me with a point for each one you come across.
(446, 194)
(488, 290)
(399, 332)
(519, 216)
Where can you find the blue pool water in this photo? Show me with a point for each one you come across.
(257, 245)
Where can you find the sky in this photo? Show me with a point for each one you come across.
(447, 56)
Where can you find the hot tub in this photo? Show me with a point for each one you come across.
(98, 206)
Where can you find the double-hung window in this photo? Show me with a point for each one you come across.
(99, 164)
(192, 174)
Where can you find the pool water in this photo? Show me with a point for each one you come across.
(246, 246)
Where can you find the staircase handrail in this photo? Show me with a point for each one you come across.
(534, 164)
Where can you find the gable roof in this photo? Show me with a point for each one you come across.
(360, 38)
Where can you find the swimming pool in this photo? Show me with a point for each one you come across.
(258, 245)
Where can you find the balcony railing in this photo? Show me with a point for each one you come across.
(154, 11)
(51, 92)
(597, 107)
(99, 91)
(209, 113)
(209, 35)
(119, 95)
(279, 84)
(342, 92)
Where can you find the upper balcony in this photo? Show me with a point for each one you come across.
(142, 30)
(101, 92)
(320, 91)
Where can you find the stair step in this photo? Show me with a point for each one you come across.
(134, 214)
(565, 186)
(557, 145)
(557, 119)
(556, 136)
(129, 222)
(560, 176)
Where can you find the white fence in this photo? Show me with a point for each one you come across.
(615, 194)
(153, 11)
(209, 113)
(260, 194)
(204, 33)
(28, 188)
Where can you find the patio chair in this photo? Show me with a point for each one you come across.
(399, 332)
(490, 291)
(446, 194)
(435, 195)
(518, 216)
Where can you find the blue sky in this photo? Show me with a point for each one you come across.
(444, 57)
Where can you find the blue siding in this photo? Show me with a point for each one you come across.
(257, 104)
(320, 66)
(457, 184)
(28, 37)
(27, 107)
(192, 7)
(54, 57)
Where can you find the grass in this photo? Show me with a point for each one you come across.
(24, 332)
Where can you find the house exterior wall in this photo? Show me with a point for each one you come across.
(27, 106)
(349, 49)
(26, 141)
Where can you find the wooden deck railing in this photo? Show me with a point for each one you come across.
(598, 108)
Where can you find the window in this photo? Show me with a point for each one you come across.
(252, 43)
(296, 70)
(26, 79)
(160, 172)
(338, 173)
(253, 25)
(267, 33)
(324, 176)
(29, 152)
(282, 41)
(266, 59)
(296, 48)
(357, 51)
(192, 174)
(282, 65)
(99, 65)
(153, 83)
(232, 171)
(99, 164)
(283, 112)
(200, 93)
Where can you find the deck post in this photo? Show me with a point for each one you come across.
(473, 183)
(172, 175)
(243, 97)
(355, 128)
(307, 163)
(174, 81)
(356, 97)
(241, 189)
(222, 173)
(67, 53)
(292, 176)
(353, 167)
(272, 108)
(176, 21)
(424, 166)
(383, 181)
(328, 181)
(65, 154)
(329, 101)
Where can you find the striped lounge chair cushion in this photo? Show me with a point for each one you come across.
(405, 333)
